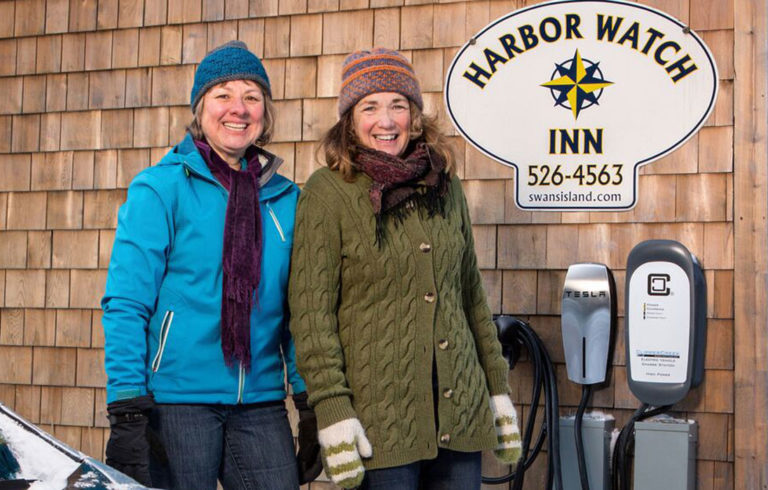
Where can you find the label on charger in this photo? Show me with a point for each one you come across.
(660, 319)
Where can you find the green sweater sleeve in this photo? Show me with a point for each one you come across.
(477, 311)
(313, 295)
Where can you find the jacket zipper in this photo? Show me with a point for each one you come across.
(189, 170)
(240, 384)
(165, 328)
(277, 223)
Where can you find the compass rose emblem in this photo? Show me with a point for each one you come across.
(576, 84)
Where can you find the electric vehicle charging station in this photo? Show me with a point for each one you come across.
(665, 341)
(666, 322)
(588, 313)
(665, 330)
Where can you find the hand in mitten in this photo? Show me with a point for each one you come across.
(342, 445)
(509, 448)
(128, 448)
(308, 459)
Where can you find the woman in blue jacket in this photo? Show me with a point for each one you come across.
(195, 317)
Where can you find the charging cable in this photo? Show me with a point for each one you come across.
(621, 462)
(514, 333)
(586, 393)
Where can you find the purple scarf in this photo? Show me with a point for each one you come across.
(417, 178)
(241, 258)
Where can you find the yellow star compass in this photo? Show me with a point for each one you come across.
(577, 84)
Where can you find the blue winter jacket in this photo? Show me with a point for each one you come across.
(162, 304)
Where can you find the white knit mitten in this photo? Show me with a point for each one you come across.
(342, 444)
(509, 449)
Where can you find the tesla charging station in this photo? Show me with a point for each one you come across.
(587, 314)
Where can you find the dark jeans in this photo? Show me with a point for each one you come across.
(451, 470)
(244, 446)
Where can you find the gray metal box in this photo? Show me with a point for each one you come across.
(596, 433)
(665, 454)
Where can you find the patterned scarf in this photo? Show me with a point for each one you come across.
(241, 258)
(419, 178)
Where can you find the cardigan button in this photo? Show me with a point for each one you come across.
(447, 393)
(445, 438)
(442, 344)
(425, 247)
(429, 297)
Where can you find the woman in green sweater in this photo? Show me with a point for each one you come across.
(393, 333)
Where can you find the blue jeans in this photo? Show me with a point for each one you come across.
(451, 470)
(244, 446)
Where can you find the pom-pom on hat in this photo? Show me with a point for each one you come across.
(230, 61)
(380, 70)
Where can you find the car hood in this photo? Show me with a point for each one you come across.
(31, 458)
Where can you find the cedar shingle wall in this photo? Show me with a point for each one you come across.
(93, 91)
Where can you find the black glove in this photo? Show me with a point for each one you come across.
(308, 459)
(128, 448)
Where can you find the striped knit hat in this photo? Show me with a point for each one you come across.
(380, 70)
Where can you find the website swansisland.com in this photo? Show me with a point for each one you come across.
(568, 196)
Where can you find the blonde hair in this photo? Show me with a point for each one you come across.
(196, 130)
(339, 145)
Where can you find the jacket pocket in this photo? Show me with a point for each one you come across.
(165, 329)
(280, 231)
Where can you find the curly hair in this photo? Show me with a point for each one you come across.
(339, 145)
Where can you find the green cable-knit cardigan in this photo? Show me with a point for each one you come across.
(368, 323)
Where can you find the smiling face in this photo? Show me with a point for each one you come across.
(382, 122)
(232, 118)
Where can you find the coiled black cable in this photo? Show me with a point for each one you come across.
(514, 333)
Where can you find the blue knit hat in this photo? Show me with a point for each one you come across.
(230, 61)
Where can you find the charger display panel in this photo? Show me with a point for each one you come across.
(660, 315)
